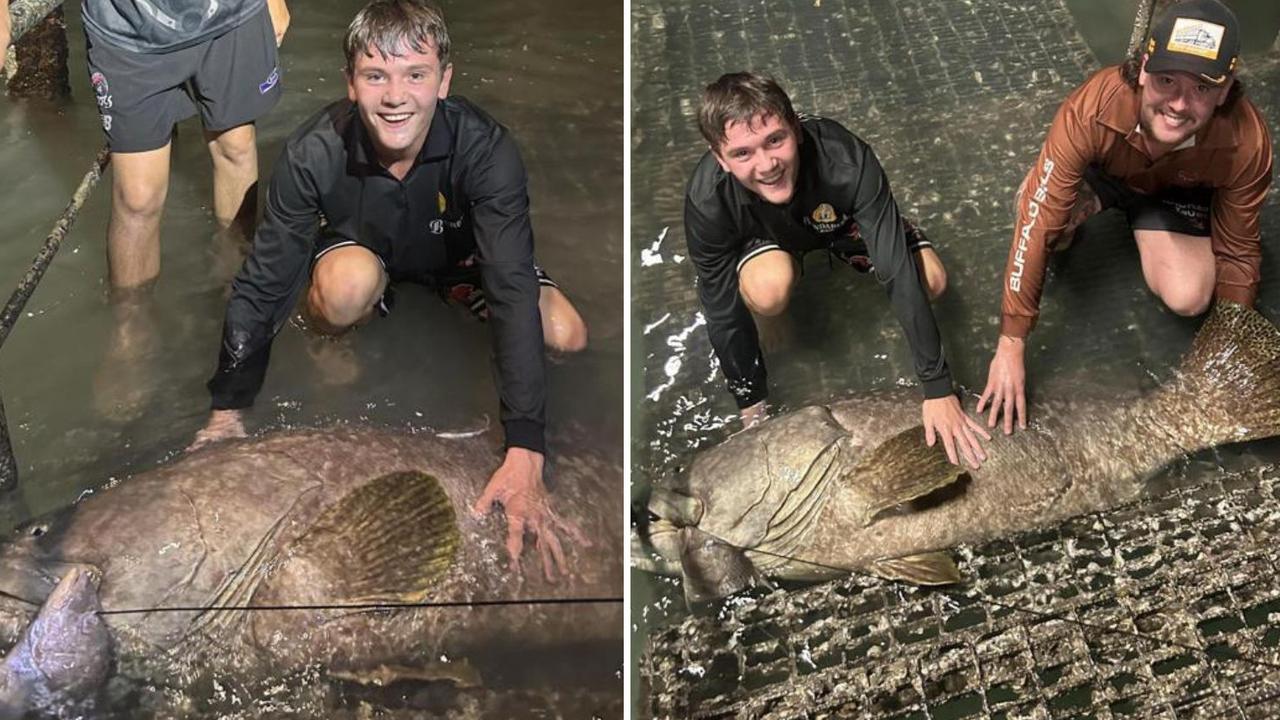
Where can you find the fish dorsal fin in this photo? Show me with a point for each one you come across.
(899, 470)
(386, 541)
(931, 568)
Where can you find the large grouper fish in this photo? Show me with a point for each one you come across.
(309, 518)
(851, 486)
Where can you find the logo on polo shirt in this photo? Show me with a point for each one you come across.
(824, 218)
(437, 226)
(1194, 36)
(441, 202)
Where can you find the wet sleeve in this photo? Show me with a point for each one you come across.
(1044, 203)
(714, 251)
(880, 224)
(1236, 237)
(268, 284)
(499, 195)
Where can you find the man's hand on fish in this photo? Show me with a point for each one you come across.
(943, 417)
(279, 18)
(1006, 385)
(753, 414)
(222, 425)
(517, 486)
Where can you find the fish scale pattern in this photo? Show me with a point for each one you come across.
(1166, 608)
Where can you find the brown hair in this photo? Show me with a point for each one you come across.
(741, 97)
(1132, 66)
(389, 25)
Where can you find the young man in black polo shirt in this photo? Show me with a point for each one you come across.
(773, 187)
(401, 182)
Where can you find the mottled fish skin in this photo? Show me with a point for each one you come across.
(798, 485)
(264, 521)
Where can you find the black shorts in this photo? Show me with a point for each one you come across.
(460, 284)
(1173, 209)
(232, 79)
(850, 249)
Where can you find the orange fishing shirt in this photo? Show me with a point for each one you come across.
(1098, 125)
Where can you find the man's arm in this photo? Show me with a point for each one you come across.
(498, 189)
(1236, 235)
(879, 222)
(279, 18)
(714, 250)
(263, 294)
(1044, 204)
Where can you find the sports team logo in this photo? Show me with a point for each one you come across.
(1194, 36)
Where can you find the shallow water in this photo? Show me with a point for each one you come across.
(956, 114)
(78, 422)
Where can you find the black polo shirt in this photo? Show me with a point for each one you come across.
(839, 183)
(466, 192)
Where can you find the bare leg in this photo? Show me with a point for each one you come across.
(562, 327)
(345, 285)
(140, 182)
(1178, 268)
(765, 283)
(235, 177)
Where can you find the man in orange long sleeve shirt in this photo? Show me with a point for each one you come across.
(1168, 138)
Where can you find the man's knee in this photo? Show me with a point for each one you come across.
(139, 184)
(765, 283)
(236, 146)
(344, 288)
(563, 329)
(1189, 299)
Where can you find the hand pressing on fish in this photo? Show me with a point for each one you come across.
(222, 425)
(753, 414)
(517, 487)
(1006, 385)
(943, 417)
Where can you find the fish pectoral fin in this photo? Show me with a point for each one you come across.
(388, 540)
(931, 568)
(899, 470)
(459, 673)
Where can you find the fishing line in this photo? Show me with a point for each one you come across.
(372, 606)
(975, 596)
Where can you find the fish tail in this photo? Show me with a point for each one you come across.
(1232, 377)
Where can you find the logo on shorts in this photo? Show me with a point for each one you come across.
(101, 90)
(270, 82)
(1194, 36)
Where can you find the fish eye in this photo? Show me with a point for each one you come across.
(38, 530)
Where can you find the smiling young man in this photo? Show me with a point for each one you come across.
(773, 187)
(1169, 139)
(400, 182)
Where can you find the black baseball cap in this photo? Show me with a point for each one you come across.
(1201, 37)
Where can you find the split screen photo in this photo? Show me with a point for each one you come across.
(642, 358)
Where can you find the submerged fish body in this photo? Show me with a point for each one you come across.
(311, 518)
(813, 493)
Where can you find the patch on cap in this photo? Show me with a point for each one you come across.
(1194, 36)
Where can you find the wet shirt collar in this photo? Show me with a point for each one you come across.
(362, 159)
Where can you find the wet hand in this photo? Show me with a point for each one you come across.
(222, 425)
(1006, 385)
(753, 414)
(517, 487)
(943, 417)
(279, 18)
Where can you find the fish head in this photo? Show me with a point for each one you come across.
(64, 654)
